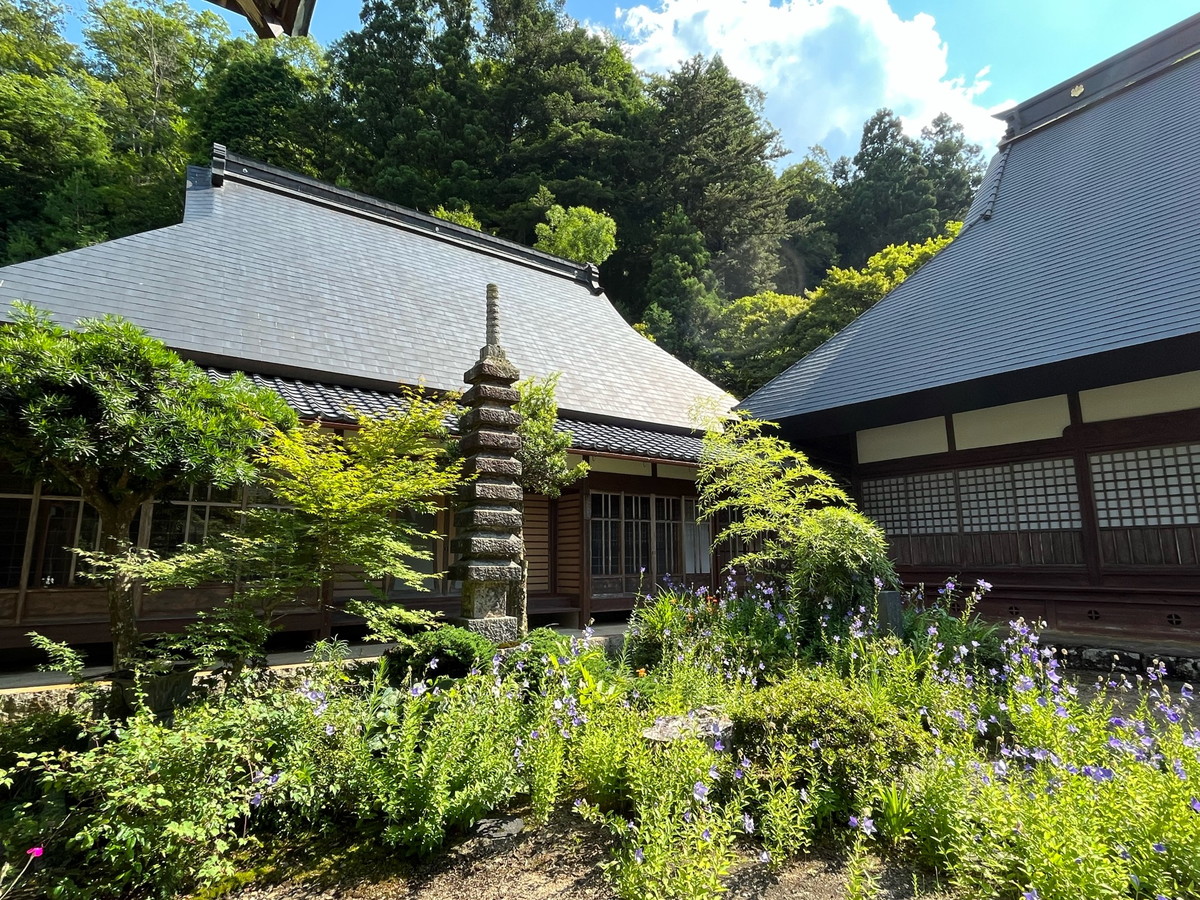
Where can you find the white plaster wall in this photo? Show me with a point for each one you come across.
(687, 473)
(1141, 398)
(620, 466)
(906, 439)
(1031, 420)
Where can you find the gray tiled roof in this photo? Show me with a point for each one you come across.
(1084, 239)
(335, 404)
(277, 273)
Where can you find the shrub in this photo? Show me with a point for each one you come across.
(449, 651)
(791, 523)
(813, 727)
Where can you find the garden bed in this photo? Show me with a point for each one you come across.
(820, 747)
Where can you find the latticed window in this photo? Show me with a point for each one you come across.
(1147, 487)
(1040, 495)
(638, 540)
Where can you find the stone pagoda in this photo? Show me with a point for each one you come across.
(489, 543)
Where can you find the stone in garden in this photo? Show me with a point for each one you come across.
(706, 722)
(498, 829)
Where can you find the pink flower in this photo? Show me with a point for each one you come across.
(34, 852)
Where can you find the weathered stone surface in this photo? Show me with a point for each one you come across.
(484, 546)
(492, 465)
(498, 418)
(481, 600)
(498, 829)
(492, 550)
(503, 517)
(497, 629)
(489, 570)
(490, 440)
(492, 392)
(493, 369)
(486, 490)
(707, 723)
(890, 613)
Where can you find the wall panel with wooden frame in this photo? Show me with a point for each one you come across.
(1095, 531)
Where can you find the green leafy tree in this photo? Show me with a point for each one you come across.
(115, 413)
(461, 216)
(746, 351)
(411, 103)
(543, 452)
(681, 300)
(791, 521)
(900, 190)
(31, 41)
(889, 197)
(562, 102)
(151, 58)
(52, 144)
(846, 294)
(578, 234)
(339, 503)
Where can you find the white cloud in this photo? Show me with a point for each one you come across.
(825, 65)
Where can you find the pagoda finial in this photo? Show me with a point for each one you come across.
(493, 315)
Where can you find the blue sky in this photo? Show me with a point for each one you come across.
(826, 65)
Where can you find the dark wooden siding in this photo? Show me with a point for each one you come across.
(537, 543)
(570, 544)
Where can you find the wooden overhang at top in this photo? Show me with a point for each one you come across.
(271, 18)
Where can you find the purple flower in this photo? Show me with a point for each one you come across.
(747, 823)
(418, 689)
(700, 791)
(433, 664)
(1160, 848)
(984, 585)
(706, 835)
(257, 799)
(1195, 805)
(638, 855)
(718, 746)
(329, 729)
(764, 857)
(1031, 894)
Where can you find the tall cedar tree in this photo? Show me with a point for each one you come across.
(269, 100)
(411, 100)
(890, 197)
(955, 168)
(681, 300)
(562, 100)
(714, 155)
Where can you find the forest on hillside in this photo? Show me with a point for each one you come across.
(507, 115)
